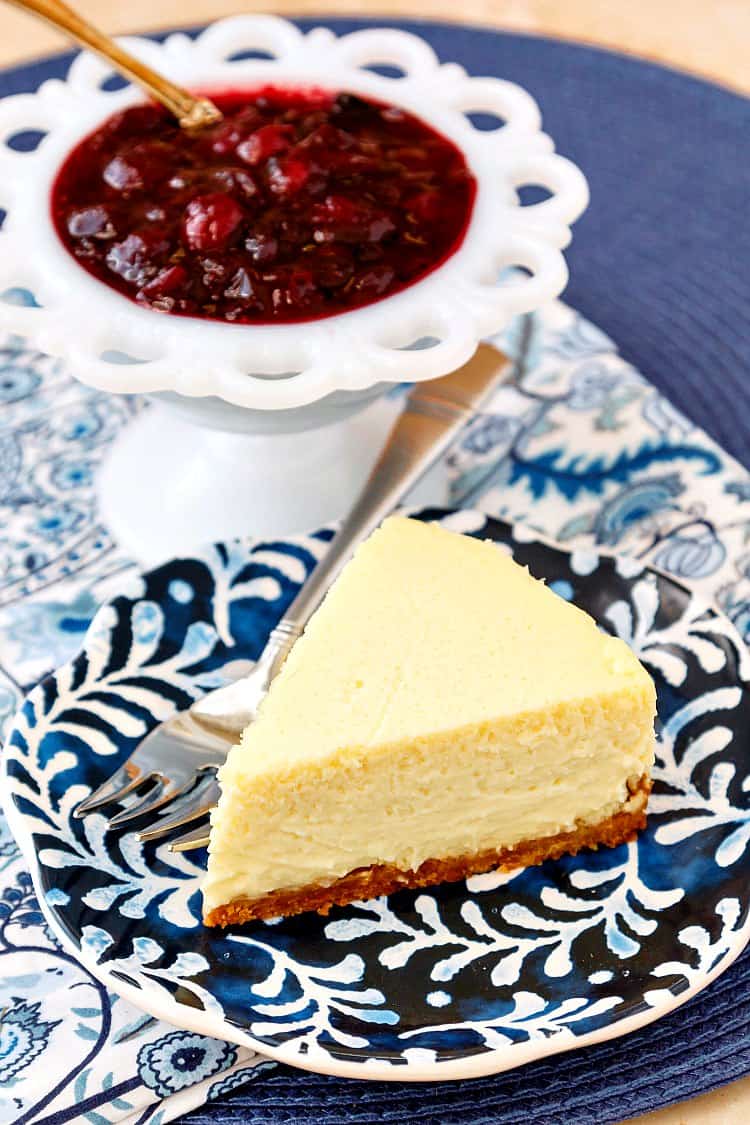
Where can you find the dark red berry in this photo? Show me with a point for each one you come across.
(166, 290)
(139, 167)
(233, 130)
(350, 220)
(211, 222)
(173, 279)
(337, 211)
(265, 142)
(236, 181)
(286, 176)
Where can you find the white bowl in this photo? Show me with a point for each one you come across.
(224, 451)
(274, 367)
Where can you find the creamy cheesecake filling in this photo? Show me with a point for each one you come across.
(457, 793)
(441, 703)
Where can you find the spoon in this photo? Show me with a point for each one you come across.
(192, 113)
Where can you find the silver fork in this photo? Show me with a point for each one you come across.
(190, 747)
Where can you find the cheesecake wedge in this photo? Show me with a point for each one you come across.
(443, 714)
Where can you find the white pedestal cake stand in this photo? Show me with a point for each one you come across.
(215, 484)
(269, 429)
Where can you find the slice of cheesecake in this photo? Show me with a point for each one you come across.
(443, 714)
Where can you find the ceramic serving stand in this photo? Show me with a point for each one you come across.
(272, 428)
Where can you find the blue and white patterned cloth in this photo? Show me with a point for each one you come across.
(577, 445)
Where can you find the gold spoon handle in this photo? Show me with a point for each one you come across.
(191, 112)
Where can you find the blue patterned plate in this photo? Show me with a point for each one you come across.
(464, 979)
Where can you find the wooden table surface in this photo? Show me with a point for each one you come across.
(708, 37)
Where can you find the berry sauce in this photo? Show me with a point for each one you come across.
(297, 205)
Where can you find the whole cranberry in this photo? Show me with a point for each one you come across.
(236, 181)
(337, 211)
(163, 290)
(210, 222)
(225, 136)
(287, 176)
(349, 220)
(265, 142)
(139, 167)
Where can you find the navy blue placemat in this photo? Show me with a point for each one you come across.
(661, 262)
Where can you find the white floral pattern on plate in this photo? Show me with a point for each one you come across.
(663, 491)
(452, 982)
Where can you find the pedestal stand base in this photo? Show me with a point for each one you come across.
(169, 485)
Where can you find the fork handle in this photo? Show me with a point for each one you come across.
(434, 413)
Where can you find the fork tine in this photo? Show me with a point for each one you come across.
(122, 782)
(197, 805)
(162, 792)
(189, 841)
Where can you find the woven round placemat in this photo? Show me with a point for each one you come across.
(661, 262)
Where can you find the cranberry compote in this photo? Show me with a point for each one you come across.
(298, 204)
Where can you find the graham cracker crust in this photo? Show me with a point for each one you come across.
(385, 879)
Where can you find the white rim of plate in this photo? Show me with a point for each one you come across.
(272, 367)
